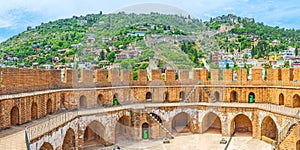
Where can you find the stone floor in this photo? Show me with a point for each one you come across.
(207, 141)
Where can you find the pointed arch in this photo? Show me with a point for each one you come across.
(211, 123)
(94, 135)
(46, 146)
(241, 124)
(69, 140)
(123, 129)
(269, 128)
(181, 123)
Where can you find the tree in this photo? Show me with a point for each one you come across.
(286, 64)
(296, 51)
(102, 56)
(111, 56)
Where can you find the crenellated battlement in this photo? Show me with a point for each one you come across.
(70, 95)
(15, 80)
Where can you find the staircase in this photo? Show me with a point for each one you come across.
(209, 95)
(283, 135)
(187, 98)
(159, 121)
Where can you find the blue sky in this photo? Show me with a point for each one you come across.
(16, 15)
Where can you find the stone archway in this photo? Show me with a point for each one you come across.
(123, 130)
(46, 146)
(217, 96)
(211, 123)
(148, 96)
(145, 130)
(241, 125)
(181, 96)
(181, 123)
(296, 101)
(298, 145)
(281, 99)
(94, 135)
(82, 102)
(269, 129)
(69, 140)
(100, 100)
(49, 106)
(233, 96)
(14, 116)
(34, 111)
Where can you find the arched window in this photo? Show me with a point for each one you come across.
(166, 96)
(281, 99)
(14, 116)
(83, 102)
(251, 97)
(217, 96)
(148, 96)
(181, 96)
(296, 100)
(233, 96)
(115, 99)
(49, 107)
(33, 111)
(100, 100)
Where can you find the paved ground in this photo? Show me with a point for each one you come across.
(207, 141)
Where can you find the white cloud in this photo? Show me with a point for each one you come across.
(5, 23)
